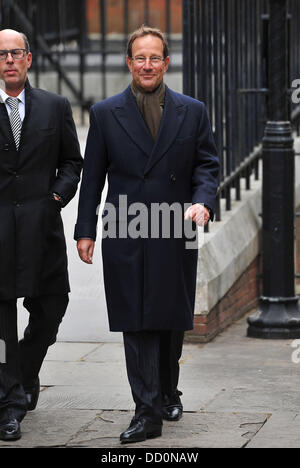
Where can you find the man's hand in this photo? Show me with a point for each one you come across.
(199, 214)
(85, 249)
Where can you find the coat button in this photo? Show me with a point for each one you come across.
(6, 147)
(173, 177)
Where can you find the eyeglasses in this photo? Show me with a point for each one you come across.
(16, 54)
(140, 60)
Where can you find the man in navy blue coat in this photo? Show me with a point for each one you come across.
(157, 150)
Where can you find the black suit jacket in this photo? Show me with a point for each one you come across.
(32, 245)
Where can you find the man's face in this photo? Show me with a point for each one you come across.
(147, 75)
(13, 72)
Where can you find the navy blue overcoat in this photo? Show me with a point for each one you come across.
(149, 281)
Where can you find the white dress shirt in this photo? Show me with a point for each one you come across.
(21, 98)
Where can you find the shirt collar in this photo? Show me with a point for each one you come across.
(4, 96)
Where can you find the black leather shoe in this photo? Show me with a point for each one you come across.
(172, 407)
(10, 430)
(140, 429)
(32, 394)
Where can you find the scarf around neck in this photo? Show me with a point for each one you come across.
(151, 106)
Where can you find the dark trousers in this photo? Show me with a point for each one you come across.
(23, 360)
(152, 368)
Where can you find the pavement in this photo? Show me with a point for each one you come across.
(238, 392)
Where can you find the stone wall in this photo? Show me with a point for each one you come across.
(229, 278)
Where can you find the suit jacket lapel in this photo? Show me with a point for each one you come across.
(27, 110)
(130, 118)
(5, 123)
(172, 119)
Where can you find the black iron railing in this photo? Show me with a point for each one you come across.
(225, 56)
(61, 42)
(224, 60)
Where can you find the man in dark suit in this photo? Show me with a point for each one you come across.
(156, 147)
(40, 165)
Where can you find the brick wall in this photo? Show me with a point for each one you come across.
(115, 15)
(240, 299)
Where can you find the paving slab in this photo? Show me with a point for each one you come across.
(107, 352)
(251, 399)
(102, 429)
(117, 397)
(105, 396)
(281, 431)
(48, 428)
(196, 430)
(82, 373)
(71, 351)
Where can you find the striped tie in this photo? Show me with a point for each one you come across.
(15, 119)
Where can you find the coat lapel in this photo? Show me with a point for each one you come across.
(173, 117)
(130, 118)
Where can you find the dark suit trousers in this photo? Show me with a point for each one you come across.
(23, 360)
(152, 368)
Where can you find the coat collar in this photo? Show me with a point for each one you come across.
(130, 118)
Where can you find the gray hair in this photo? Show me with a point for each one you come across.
(26, 42)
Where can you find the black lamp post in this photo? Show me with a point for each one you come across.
(279, 314)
